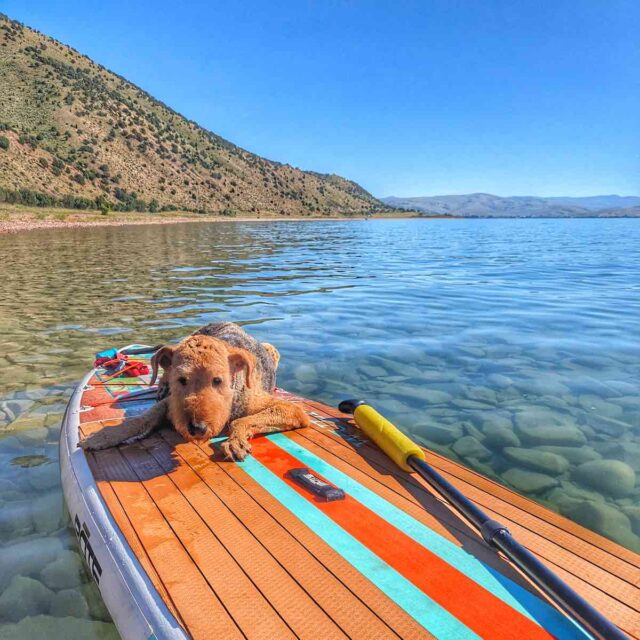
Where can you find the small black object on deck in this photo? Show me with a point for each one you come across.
(319, 487)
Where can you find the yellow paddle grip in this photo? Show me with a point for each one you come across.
(387, 436)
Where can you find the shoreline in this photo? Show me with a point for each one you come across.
(20, 221)
(16, 220)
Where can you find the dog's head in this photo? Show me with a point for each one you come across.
(204, 374)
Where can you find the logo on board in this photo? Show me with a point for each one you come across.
(83, 533)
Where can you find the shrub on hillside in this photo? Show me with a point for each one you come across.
(103, 204)
(4, 142)
(57, 166)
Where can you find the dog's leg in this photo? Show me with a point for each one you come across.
(130, 430)
(279, 415)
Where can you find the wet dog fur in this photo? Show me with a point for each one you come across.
(219, 377)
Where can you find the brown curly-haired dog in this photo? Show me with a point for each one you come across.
(218, 377)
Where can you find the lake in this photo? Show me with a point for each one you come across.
(510, 345)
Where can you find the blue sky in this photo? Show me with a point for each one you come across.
(511, 97)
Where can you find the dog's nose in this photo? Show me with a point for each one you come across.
(197, 428)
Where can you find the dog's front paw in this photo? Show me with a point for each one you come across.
(236, 448)
(98, 440)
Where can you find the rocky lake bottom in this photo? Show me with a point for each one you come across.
(511, 346)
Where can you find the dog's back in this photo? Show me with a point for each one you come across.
(236, 336)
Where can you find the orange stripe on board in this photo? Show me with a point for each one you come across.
(475, 607)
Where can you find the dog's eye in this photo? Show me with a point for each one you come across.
(216, 382)
(183, 381)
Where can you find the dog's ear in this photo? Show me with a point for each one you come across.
(240, 359)
(274, 354)
(161, 358)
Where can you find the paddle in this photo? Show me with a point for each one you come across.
(410, 457)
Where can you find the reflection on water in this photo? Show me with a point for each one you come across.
(512, 346)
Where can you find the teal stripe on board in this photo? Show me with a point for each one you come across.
(417, 604)
(499, 585)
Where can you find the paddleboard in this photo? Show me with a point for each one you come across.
(315, 535)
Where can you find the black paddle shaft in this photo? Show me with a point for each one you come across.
(134, 351)
(499, 537)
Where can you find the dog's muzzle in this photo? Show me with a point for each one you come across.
(197, 429)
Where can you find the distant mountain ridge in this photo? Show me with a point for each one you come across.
(486, 205)
(599, 203)
(74, 134)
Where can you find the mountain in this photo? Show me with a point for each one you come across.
(599, 203)
(627, 212)
(74, 134)
(485, 205)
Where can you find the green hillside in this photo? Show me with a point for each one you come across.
(77, 135)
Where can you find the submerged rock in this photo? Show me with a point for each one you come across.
(492, 418)
(53, 420)
(26, 422)
(554, 434)
(433, 396)
(604, 426)
(499, 436)
(599, 406)
(605, 448)
(575, 455)
(499, 380)
(629, 452)
(48, 512)
(9, 489)
(434, 446)
(51, 627)
(306, 373)
(24, 597)
(438, 433)
(580, 493)
(27, 558)
(559, 498)
(372, 371)
(472, 430)
(463, 403)
(544, 461)
(97, 607)
(542, 385)
(554, 402)
(44, 477)
(65, 572)
(529, 481)
(482, 394)
(633, 513)
(393, 406)
(483, 468)
(33, 437)
(11, 444)
(471, 447)
(612, 477)
(32, 394)
(16, 407)
(604, 519)
(434, 376)
(69, 602)
(15, 520)
(631, 402)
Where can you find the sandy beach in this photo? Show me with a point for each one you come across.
(14, 219)
(18, 221)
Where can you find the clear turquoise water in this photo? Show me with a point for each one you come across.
(494, 342)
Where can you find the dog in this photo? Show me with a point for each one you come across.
(218, 377)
